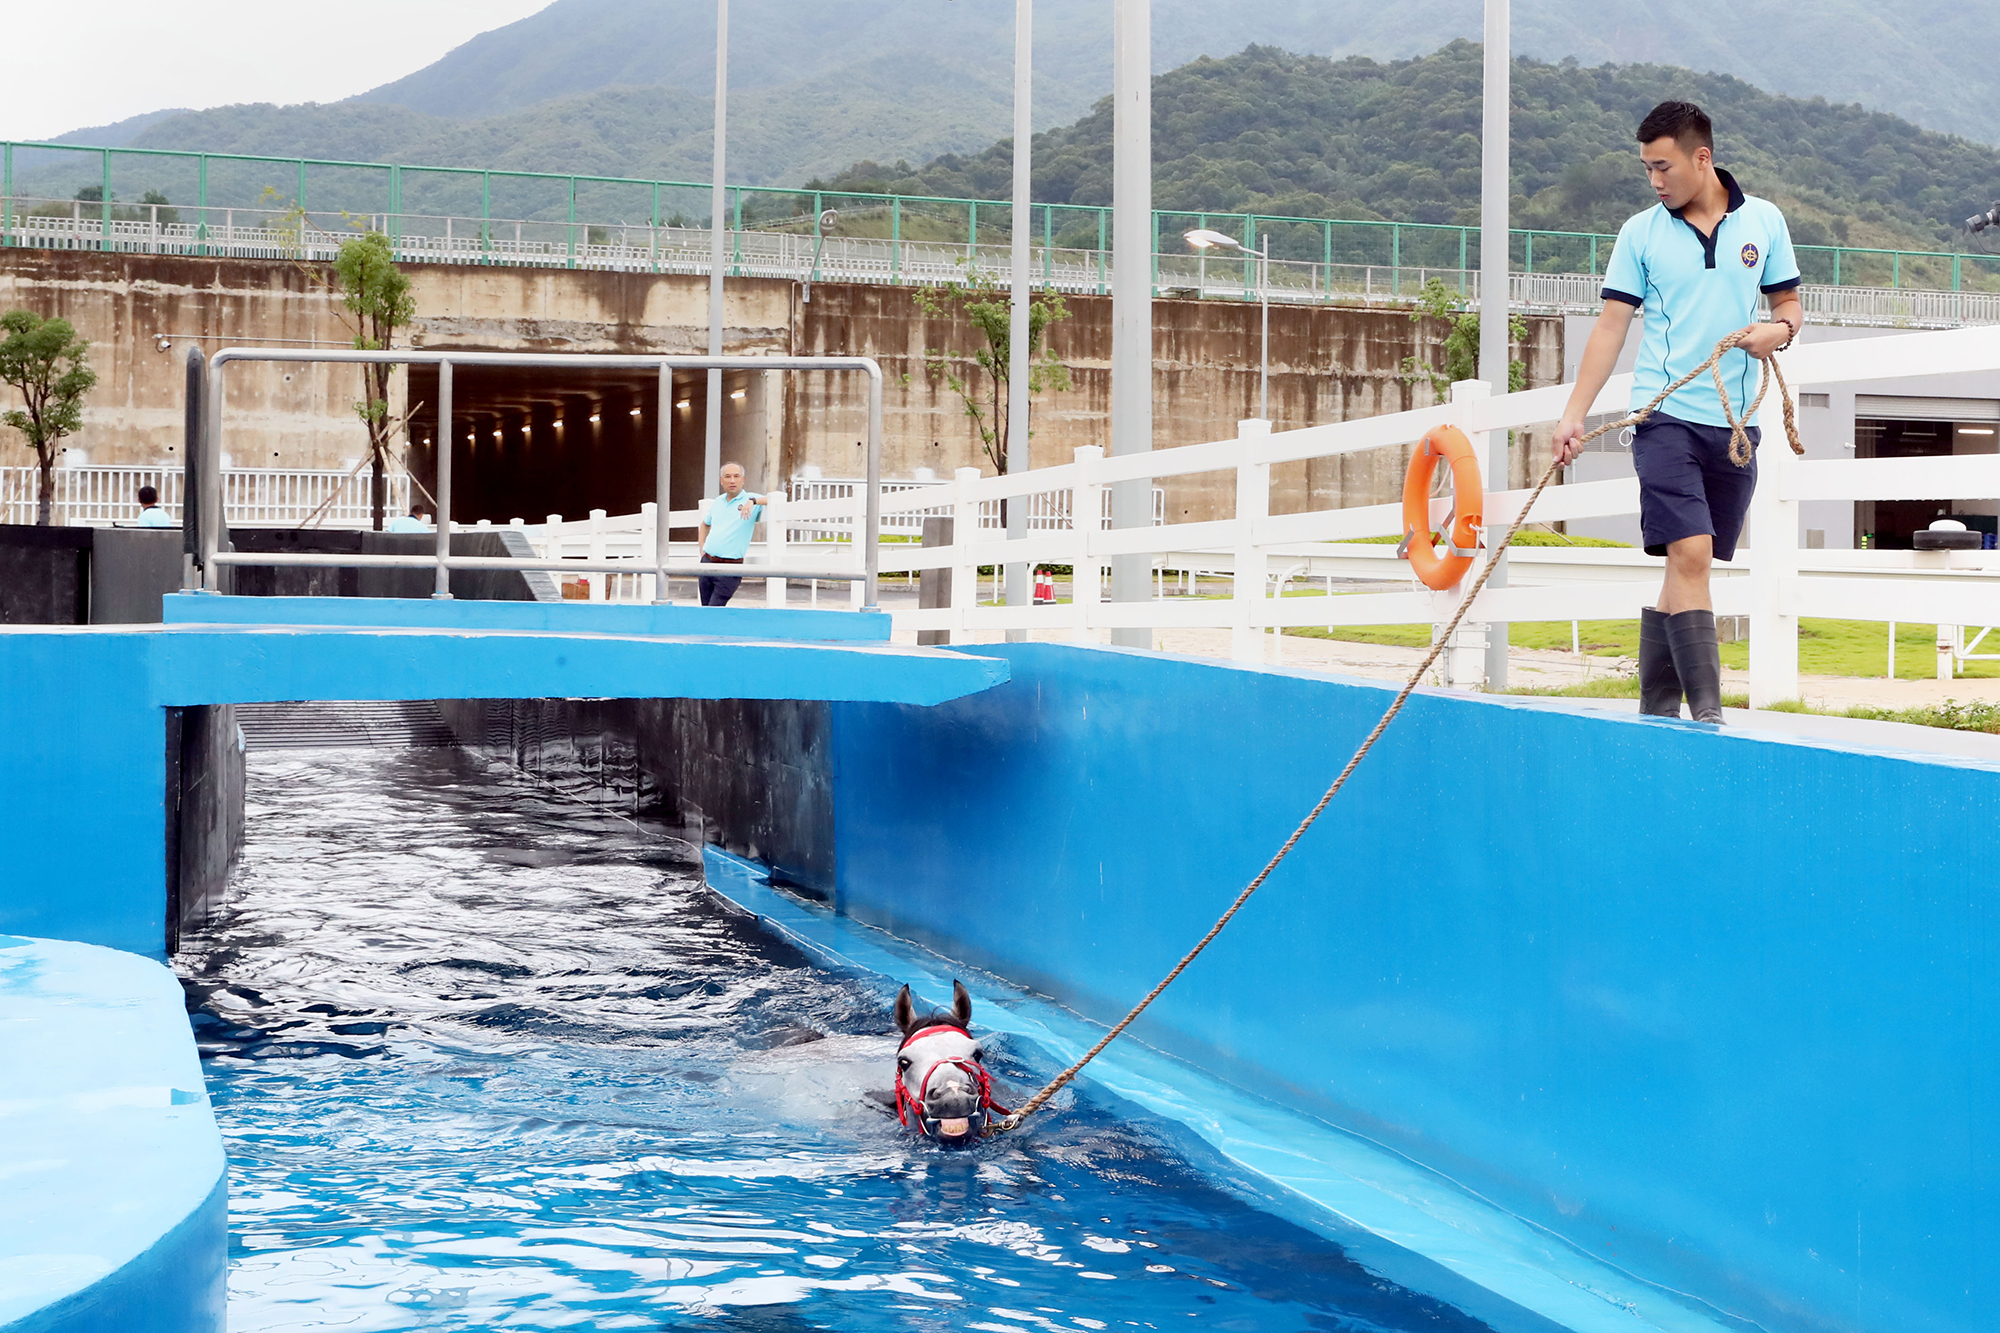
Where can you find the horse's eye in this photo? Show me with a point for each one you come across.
(902, 1062)
(979, 1054)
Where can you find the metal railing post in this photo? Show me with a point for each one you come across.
(193, 511)
(443, 435)
(871, 555)
(663, 478)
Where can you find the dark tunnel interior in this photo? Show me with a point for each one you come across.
(530, 442)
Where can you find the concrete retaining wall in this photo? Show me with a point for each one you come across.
(751, 776)
(1328, 363)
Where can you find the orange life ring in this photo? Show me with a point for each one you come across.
(1461, 534)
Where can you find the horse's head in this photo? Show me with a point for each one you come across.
(941, 1081)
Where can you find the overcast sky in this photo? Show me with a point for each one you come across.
(72, 65)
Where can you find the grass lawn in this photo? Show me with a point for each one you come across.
(1826, 647)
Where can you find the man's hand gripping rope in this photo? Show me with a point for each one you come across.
(1739, 453)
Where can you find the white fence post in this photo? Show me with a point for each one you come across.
(1774, 564)
(649, 531)
(964, 568)
(857, 591)
(1086, 573)
(1253, 506)
(774, 546)
(597, 578)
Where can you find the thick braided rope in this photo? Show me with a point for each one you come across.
(1056, 1084)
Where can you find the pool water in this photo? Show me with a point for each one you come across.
(486, 1058)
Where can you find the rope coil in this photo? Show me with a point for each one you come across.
(1738, 438)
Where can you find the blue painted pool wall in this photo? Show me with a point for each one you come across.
(1717, 1007)
(180, 1285)
(83, 823)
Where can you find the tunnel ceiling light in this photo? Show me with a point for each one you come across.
(496, 434)
(1975, 430)
(635, 411)
(683, 402)
(737, 394)
(427, 439)
(593, 418)
(526, 429)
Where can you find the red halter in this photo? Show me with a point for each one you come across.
(906, 1105)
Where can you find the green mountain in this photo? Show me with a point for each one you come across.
(1929, 61)
(1305, 136)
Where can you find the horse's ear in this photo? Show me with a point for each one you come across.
(905, 1012)
(961, 1003)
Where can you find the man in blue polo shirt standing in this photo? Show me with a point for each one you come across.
(725, 534)
(1697, 263)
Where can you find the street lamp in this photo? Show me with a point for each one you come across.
(1204, 240)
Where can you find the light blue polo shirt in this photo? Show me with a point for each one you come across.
(153, 516)
(728, 531)
(1697, 290)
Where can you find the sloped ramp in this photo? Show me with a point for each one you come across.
(328, 724)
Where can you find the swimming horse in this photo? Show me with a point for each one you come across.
(941, 1078)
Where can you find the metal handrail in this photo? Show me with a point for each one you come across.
(208, 457)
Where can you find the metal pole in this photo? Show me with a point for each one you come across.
(663, 483)
(1131, 293)
(1018, 304)
(1264, 357)
(871, 555)
(193, 511)
(443, 516)
(711, 458)
(1495, 128)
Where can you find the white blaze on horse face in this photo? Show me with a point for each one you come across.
(954, 1094)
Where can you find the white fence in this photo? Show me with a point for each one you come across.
(252, 497)
(1951, 588)
(1047, 512)
(1773, 581)
(273, 234)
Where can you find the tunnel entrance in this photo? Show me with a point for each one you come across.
(534, 441)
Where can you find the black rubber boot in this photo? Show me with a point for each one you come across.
(1659, 683)
(1698, 662)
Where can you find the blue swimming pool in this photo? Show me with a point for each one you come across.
(487, 1058)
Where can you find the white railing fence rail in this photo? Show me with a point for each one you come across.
(104, 496)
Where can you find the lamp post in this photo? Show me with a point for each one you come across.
(1017, 301)
(1494, 132)
(1131, 293)
(1204, 240)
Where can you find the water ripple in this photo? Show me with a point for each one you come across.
(486, 1058)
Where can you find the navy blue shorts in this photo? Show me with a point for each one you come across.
(1687, 485)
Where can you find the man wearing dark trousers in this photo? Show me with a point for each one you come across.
(1698, 263)
(725, 534)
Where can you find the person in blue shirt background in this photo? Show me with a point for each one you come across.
(151, 515)
(1698, 262)
(725, 534)
(410, 522)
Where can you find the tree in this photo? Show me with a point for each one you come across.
(1461, 345)
(378, 293)
(986, 305)
(45, 362)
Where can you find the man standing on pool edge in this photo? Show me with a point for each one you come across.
(1697, 262)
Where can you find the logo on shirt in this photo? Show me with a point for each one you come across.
(1749, 256)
